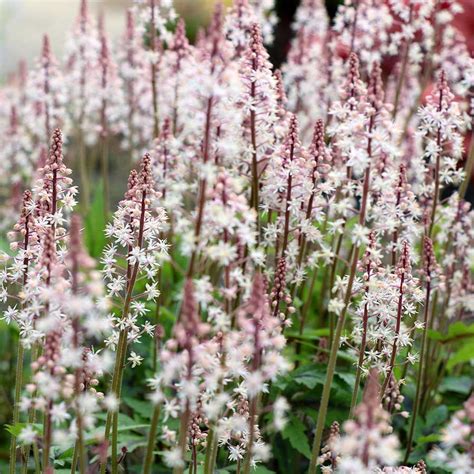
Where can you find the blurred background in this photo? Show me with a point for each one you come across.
(23, 23)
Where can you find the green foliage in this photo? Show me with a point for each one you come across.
(95, 223)
(464, 354)
(294, 432)
(456, 332)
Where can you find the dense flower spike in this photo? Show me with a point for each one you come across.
(287, 237)
(46, 96)
(456, 439)
(368, 441)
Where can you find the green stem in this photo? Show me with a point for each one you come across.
(16, 409)
(248, 455)
(331, 368)
(468, 170)
(105, 175)
(304, 312)
(31, 420)
(47, 434)
(183, 436)
(85, 191)
(209, 459)
(114, 443)
(421, 371)
(151, 440)
(122, 344)
(363, 345)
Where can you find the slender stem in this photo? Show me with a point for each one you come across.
(397, 333)
(114, 443)
(151, 440)
(323, 407)
(421, 370)
(183, 436)
(437, 168)
(436, 192)
(305, 310)
(47, 434)
(468, 170)
(354, 25)
(212, 439)
(154, 88)
(122, 344)
(85, 191)
(401, 78)
(20, 357)
(286, 232)
(208, 460)
(202, 187)
(253, 134)
(363, 345)
(16, 409)
(248, 456)
(31, 420)
(105, 174)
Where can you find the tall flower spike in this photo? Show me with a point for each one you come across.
(375, 89)
(190, 327)
(403, 273)
(440, 124)
(239, 21)
(45, 93)
(259, 103)
(367, 443)
(77, 256)
(180, 43)
(353, 89)
(318, 151)
(455, 451)
(430, 266)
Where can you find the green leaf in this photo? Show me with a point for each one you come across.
(464, 354)
(95, 223)
(309, 376)
(431, 438)
(310, 334)
(4, 246)
(294, 432)
(262, 470)
(457, 331)
(462, 384)
(437, 416)
(15, 429)
(142, 408)
(348, 379)
(125, 423)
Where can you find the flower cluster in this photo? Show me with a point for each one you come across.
(279, 228)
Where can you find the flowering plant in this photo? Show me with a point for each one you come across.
(285, 283)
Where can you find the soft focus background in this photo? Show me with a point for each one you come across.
(23, 23)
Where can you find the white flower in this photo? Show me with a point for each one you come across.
(59, 413)
(173, 458)
(360, 235)
(135, 359)
(27, 435)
